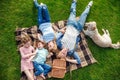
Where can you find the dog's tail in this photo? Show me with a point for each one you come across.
(116, 46)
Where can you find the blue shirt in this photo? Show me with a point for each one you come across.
(40, 56)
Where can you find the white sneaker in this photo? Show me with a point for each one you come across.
(74, 0)
(34, 0)
(41, 4)
(90, 3)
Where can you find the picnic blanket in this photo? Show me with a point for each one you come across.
(83, 49)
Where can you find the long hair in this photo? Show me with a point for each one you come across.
(25, 38)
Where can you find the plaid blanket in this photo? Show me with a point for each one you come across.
(83, 50)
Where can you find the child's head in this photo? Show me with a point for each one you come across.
(40, 44)
(26, 42)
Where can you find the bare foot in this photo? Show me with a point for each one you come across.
(42, 76)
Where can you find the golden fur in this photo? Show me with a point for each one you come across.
(101, 40)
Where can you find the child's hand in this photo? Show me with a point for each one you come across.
(63, 30)
(49, 55)
(29, 60)
(34, 53)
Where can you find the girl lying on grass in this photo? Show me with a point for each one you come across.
(39, 59)
(26, 52)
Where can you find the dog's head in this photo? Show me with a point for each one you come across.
(91, 26)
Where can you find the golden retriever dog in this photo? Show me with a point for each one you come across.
(101, 40)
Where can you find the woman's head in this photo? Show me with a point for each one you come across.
(51, 45)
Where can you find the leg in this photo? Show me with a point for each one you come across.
(40, 16)
(107, 32)
(75, 56)
(36, 3)
(83, 16)
(31, 71)
(39, 7)
(46, 15)
(47, 68)
(29, 75)
(72, 15)
(38, 69)
(104, 31)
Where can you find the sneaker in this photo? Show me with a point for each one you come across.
(34, 0)
(74, 0)
(41, 4)
(90, 3)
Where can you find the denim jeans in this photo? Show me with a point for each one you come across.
(41, 68)
(75, 55)
(43, 13)
(72, 17)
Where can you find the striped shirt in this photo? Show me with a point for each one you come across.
(69, 38)
(47, 31)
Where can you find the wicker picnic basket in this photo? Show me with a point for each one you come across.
(58, 68)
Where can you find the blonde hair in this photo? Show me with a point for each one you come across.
(25, 38)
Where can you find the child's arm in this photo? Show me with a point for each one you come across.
(49, 55)
(31, 57)
(27, 55)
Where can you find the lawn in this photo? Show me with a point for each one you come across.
(22, 13)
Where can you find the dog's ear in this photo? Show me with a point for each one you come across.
(86, 24)
(93, 28)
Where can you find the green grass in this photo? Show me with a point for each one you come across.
(22, 13)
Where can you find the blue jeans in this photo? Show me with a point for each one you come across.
(72, 17)
(75, 55)
(43, 13)
(41, 68)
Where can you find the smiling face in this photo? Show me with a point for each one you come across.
(50, 45)
(40, 45)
